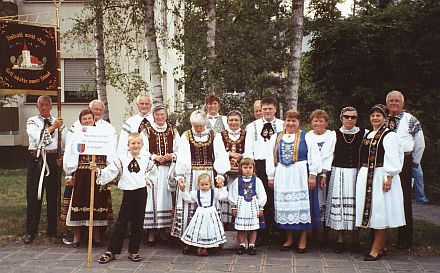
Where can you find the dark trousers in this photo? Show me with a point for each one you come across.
(51, 184)
(132, 210)
(269, 207)
(405, 233)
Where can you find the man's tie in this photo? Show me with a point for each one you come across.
(143, 125)
(134, 166)
(267, 131)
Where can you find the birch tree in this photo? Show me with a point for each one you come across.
(153, 52)
(295, 52)
(101, 77)
(210, 43)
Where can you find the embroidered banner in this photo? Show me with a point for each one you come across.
(28, 63)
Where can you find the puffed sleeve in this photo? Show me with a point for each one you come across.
(183, 161)
(151, 173)
(110, 172)
(233, 193)
(270, 167)
(261, 193)
(114, 140)
(222, 194)
(176, 142)
(221, 161)
(189, 197)
(327, 151)
(393, 158)
(249, 141)
(70, 160)
(313, 155)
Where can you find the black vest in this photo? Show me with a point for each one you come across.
(347, 149)
(365, 150)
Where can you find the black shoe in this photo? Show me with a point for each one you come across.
(340, 247)
(28, 239)
(251, 250)
(241, 249)
(285, 248)
(370, 258)
(301, 250)
(151, 243)
(76, 244)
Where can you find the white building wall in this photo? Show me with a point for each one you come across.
(119, 107)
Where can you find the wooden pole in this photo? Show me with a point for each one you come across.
(58, 56)
(92, 202)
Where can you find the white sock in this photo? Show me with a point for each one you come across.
(244, 245)
(252, 245)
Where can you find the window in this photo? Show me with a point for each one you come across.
(79, 80)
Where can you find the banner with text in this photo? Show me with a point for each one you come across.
(28, 57)
(91, 140)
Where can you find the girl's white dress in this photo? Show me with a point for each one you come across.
(185, 169)
(248, 196)
(386, 207)
(205, 228)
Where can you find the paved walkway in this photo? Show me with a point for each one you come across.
(16, 257)
(37, 258)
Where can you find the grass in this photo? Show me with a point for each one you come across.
(13, 217)
(13, 207)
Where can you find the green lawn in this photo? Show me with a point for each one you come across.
(13, 206)
(13, 216)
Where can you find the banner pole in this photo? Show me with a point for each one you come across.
(92, 205)
(58, 60)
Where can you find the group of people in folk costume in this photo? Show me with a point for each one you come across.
(271, 177)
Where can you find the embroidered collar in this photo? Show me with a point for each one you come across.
(40, 117)
(159, 127)
(272, 122)
(214, 117)
(351, 131)
(234, 133)
(202, 134)
(144, 116)
(399, 116)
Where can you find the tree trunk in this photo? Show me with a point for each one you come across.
(210, 43)
(153, 53)
(295, 51)
(101, 77)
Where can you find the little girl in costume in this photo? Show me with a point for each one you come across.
(205, 229)
(248, 197)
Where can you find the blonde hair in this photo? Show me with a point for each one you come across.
(204, 176)
(135, 135)
(245, 162)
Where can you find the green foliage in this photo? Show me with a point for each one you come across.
(251, 43)
(358, 60)
(123, 40)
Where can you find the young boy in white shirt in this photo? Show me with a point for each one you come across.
(137, 172)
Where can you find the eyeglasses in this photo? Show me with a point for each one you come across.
(349, 117)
